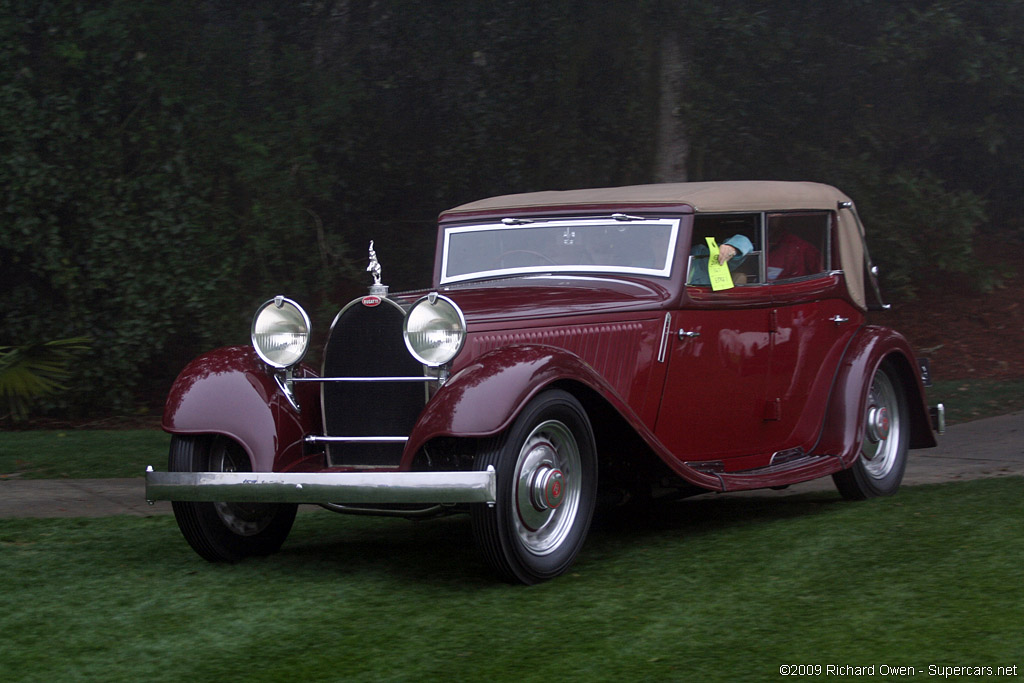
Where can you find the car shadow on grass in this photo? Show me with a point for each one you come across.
(706, 515)
(710, 512)
(439, 551)
(443, 552)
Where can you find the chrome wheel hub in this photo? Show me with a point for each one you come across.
(878, 423)
(547, 490)
(548, 482)
(882, 426)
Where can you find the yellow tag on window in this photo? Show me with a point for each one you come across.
(719, 274)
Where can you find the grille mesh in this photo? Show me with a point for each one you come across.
(367, 342)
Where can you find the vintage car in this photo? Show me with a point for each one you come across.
(570, 351)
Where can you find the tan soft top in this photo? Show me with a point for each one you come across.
(747, 195)
(709, 197)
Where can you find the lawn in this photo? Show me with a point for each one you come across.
(973, 399)
(82, 453)
(718, 588)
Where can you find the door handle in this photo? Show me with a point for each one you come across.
(683, 334)
(839, 320)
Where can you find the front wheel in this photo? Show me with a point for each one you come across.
(225, 532)
(879, 468)
(546, 467)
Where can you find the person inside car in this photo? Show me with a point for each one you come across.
(732, 251)
(790, 256)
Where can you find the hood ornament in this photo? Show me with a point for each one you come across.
(376, 289)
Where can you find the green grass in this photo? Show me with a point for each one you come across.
(723, 588)
(973, 399)
(82, 454)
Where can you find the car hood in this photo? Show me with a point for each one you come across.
(531, 298)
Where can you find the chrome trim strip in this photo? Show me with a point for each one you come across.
(366, 379)
(356, 439)
(786, 456)
(665, 332)
(596, 221)
(323, 487)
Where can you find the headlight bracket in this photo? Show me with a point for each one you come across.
(286, 383)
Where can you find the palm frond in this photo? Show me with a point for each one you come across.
(30, 372)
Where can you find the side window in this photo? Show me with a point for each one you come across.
(740, 230)
(797, 245)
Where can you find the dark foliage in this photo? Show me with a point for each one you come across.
(166, 166)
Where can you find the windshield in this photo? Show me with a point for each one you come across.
(593, 245)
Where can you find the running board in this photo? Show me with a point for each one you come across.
(794, 471)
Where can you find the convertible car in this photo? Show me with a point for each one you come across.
(575, 348)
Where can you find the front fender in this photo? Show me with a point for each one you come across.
(484, 398)
(230, 392)
(843, 430)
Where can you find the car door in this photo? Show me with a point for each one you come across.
(719, 357)
(713, 403)
(811, 323)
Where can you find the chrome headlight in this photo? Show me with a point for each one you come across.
(280, 332)
(434, 330)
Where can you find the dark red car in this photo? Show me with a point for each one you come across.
(571, 349)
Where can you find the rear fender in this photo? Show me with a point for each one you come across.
(485, 397)
(843, 430)
(230, 392)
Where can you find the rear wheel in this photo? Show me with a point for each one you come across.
(879, 468)
(546, 487)
(225, 532)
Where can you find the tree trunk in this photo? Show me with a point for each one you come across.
(673, 147)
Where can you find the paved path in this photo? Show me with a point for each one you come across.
(992, 447)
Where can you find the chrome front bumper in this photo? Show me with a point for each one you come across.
(323, 487)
